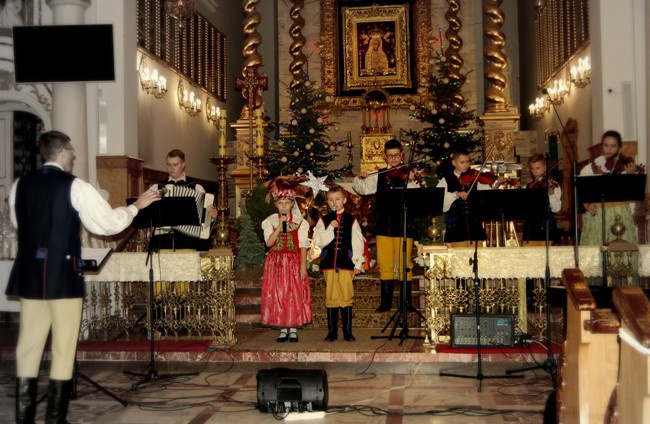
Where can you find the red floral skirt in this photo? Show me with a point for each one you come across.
(286, 298)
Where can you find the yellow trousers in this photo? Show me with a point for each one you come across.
(63, 316)
(389, 258)
(338, 288)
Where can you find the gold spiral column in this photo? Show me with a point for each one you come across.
(452, 53)
(252, 84)
(297, 65)
(501, 121)
(495, 56)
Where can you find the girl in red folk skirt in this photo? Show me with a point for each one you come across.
(286, 297)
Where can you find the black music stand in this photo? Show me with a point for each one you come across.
(420, 202)
(609, 188)
(168, 212)
(492, 205)
(91, 262)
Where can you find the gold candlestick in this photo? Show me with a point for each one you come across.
(223, 229)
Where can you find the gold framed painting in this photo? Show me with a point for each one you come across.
(375, 46)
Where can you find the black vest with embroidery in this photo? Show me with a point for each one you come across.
(49, 241)
(338, 254)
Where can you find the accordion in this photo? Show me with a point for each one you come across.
(204, 203)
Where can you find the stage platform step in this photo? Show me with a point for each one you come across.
(366, 299)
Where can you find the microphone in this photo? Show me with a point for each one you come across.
(544, 90)
(284, 223)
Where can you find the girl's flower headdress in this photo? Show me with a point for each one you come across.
(283, 194)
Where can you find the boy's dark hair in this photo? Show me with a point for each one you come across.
(537, 157)
(337, 189)
(176, 153)
(615, 134)
(392, 144)
(460, 152)
(50, 143)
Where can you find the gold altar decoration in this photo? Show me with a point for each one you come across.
(332, 82)
(376, 47)
(375, 129)
(194, 296)
(449, 282)
(495, 56)
(297, 65)
(252, 40)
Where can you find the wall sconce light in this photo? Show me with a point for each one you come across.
(538, 109)
(151, 81)
(557, 91)
(581, 74)
(188, 100)
(212, 112)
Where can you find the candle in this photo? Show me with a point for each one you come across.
(259, 140)
(349, 139)
(222, 133)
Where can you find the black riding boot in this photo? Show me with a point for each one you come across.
(386, 302)
(26, 389)
(332, 324)
(58, 399)
(346, 323)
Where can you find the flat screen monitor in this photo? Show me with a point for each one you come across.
(63, 53)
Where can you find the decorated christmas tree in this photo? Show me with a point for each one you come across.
(443, 108)
(302, 144)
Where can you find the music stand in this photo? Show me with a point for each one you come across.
(91, 262)
(609, 188)
(167, 212)
(420, 202)
(491, 205)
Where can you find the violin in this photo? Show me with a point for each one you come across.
(617, 164)
(468, 177)
(401, 172)
(545, 182)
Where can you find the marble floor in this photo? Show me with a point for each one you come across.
(219, 397)
(368, 381)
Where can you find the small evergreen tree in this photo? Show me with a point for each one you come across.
(250, 251)
(302, 143)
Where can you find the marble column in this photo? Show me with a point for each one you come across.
(69, 99)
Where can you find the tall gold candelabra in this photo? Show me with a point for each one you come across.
(223, 230)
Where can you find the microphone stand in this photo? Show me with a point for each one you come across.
(549, 365)
(152, 373)
(401, 314)
(479, 372)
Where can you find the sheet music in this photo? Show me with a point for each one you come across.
(94, 258)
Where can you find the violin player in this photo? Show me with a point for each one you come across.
(459, 182)
(534, 230)
(388, 226)
(610, 162)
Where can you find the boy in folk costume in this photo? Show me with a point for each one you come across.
(286, 296)
(340, 236)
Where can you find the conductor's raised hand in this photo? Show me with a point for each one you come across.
(147, 198)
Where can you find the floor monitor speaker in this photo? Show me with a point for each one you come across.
(282, 390)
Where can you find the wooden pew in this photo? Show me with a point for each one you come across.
(588, 369)
(633, 393)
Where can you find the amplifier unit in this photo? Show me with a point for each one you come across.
(496, 330)
(281, 390)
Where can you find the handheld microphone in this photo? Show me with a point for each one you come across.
(284, 223)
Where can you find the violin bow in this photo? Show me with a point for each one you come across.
(478, 174)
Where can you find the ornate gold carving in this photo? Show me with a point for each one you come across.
(495, 56)
(297, 66)
(330, 56)
(455, 44)
(252, 40)
(376, 47)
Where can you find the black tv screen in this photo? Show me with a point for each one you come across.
(63, 53)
